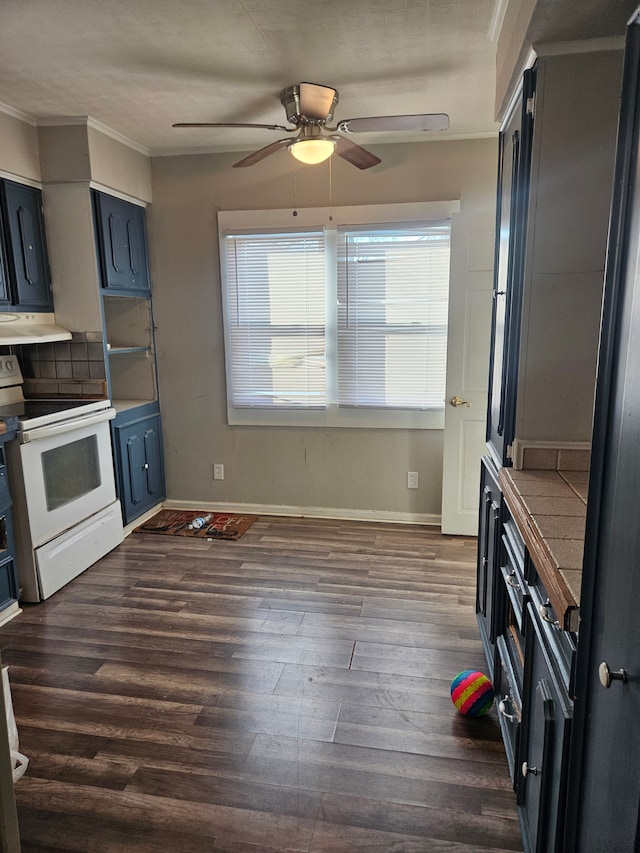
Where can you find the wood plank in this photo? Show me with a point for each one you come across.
(286, 692)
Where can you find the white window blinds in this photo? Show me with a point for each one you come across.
(393, 288)
(275, 319)
(337, 317)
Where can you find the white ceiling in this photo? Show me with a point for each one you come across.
(137, 66)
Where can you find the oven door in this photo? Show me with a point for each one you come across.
(67, 472)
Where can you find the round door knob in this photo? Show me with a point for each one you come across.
(606, 676)
(458, 401)
(526, 770)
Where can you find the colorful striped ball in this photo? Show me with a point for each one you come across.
(472, 693)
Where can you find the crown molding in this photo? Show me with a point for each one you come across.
(87, 121)
(14, 113)
(497, 19)
(596, 45)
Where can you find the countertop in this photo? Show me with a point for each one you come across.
(549, 507)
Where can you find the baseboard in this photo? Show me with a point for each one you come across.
(9, 613)
(309, 512)
(129, 528)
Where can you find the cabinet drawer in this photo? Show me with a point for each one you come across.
(561, 643)
(512, 568)
(514, 536)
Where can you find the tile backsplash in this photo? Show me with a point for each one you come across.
(548, 456)
(72, 368)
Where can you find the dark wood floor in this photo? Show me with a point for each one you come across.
(289, 691)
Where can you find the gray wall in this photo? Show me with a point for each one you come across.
(572, 174)
(359, 472)
(19, 148)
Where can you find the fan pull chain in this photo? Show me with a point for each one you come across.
(330, 190)
(295, 203)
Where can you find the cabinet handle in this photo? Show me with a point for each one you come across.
(606, 675)
(502, 708)
(544, 611)
(526, 770)
(511, 582)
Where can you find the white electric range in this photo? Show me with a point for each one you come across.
(65, 511)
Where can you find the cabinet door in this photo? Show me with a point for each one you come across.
(27, 256)
(604, 795)
(139, 450)
(8, 584)
(8, 571)
(489, 532)
(544, 754)
(5, 292)
(507, 688)
(514, 163)
(122, 244)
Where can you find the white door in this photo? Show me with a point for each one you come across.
(470, 288)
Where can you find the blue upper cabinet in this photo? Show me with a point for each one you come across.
(514, 166)
(5, 293)
(25, 281)
(122, 244)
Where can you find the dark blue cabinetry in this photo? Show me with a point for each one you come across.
(487, 590)
(122, 244)
(138, 447)
(514, 166)
(9, 591)
(544, 752)
(5, 292)
(25, 280)
(127, 311)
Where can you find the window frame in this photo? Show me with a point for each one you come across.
(329, 219)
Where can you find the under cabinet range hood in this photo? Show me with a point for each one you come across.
(30, 329)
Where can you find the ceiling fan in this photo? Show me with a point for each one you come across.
(309, 108)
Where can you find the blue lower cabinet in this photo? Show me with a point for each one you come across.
(489, 591)
(139, 464)
(9, 589)
(8, 584)
(544, 745)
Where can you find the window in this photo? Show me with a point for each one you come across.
(276, 320)
(336, 325)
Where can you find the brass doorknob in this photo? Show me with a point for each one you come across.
(457, 401)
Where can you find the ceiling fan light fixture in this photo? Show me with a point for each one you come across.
(312, 151)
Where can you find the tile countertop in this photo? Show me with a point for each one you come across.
(549, 507)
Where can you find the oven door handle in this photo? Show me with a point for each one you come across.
(67, 426)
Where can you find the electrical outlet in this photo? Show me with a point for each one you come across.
(218, 471)
(412, 479)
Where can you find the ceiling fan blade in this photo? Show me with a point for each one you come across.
(428, 121)
(262, 153)
(233, 124)
(355, 154)
(316, 101)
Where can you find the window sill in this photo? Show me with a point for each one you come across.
(338, 418)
